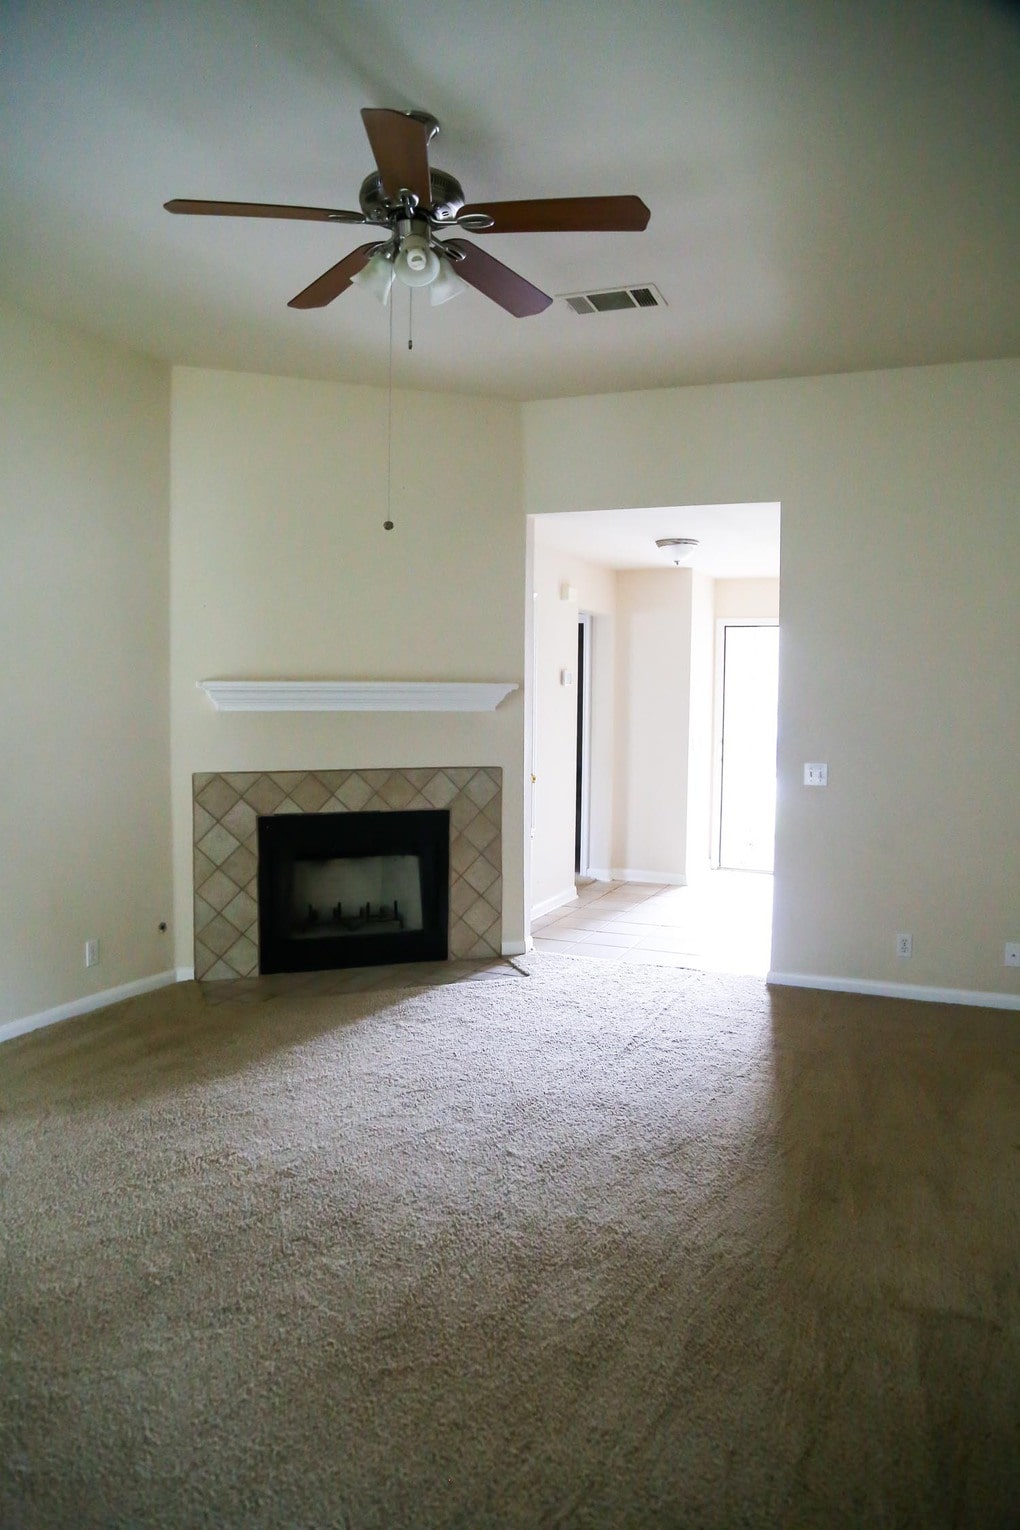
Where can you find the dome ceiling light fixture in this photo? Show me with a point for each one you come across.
(680, 550)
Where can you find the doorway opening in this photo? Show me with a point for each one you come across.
(748, 679)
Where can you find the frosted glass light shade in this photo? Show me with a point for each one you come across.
(447, 285)
(376, 277)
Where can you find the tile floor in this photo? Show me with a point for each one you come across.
(722, 923)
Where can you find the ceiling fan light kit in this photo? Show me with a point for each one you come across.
(415, 202)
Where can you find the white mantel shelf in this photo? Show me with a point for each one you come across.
(357, 695)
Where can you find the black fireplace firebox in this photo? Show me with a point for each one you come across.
(352, 889)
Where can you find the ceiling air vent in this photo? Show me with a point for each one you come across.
(611, 300)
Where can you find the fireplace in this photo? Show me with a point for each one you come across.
(229, 806)
(352, 889)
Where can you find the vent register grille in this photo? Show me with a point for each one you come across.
(614, 299)
(226, 812)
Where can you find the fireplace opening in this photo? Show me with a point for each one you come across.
(352, 889)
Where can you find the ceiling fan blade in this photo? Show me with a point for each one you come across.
(400, 146)
(264, 210)
(496, 280)
(336, 280)
(564, 215)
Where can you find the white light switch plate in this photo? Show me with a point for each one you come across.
(816, 775)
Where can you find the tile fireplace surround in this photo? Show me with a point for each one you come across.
(226, 812)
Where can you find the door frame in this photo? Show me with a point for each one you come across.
(583, 847)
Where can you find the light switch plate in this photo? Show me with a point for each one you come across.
(816, 775)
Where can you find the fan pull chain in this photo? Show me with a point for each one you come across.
(388, 522)
(410, 319)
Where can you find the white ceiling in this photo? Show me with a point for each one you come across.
(734, 541)
(833, 183)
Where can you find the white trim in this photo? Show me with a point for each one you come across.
(84, 1006)
(600, 874)
(514, 947)
(356, 695)
(664, 878)
(547, 905)
(973, 996)
(185, 974)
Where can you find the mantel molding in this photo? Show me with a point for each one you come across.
(357, 695)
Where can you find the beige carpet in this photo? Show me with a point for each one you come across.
(602, 1246)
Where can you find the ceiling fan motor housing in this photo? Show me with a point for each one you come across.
(447, 198)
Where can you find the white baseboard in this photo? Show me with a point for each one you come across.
(666, 878)
(884, 990)
(514, 947)
(546, 906)
(27, 1023)
(185, 974)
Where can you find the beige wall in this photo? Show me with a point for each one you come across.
(280, 568)
(750, 599)
(901, 626)
(555, 717)
(697, 855)
(653, 695)
(84, 812)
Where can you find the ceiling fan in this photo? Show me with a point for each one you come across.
(413, 202)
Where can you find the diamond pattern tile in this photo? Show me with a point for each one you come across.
(242, 912)
(219, 935)
(310, 794)
(218, 797)
(479, 916)
(462, 895)
(480, 875)
(354, 792)
(264, 796)
(440, 791)
(481, 788)
(203, 868)
(332, 779)
(396, 792)
(218, 890)
(287, 779)
(241, 820)
(241, 780)
(218, 844)
(242, 866)
(202, 820)
(462, 855)
(480, 832)
(243, 957)
(226, 812)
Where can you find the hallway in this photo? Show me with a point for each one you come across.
(723, 923)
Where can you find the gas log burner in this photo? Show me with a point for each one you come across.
(352, 889)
